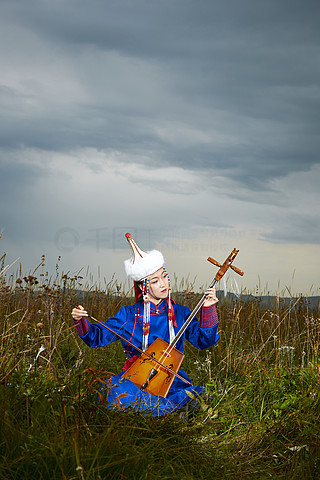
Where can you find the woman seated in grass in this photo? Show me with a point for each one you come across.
(154, 316)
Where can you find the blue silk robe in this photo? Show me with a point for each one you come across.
(121, 392)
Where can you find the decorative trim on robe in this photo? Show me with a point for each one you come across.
(82, 326)
(208, 317)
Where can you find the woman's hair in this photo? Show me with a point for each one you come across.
(138, 290)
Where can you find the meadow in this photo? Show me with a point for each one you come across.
(262, 420)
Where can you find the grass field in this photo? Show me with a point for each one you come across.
(263, 419)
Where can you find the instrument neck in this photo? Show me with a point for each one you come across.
(191, 316)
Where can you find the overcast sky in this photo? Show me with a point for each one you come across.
(192, 124)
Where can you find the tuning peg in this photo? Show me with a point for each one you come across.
(235, 269)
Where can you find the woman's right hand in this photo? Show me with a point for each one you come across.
(79, 312)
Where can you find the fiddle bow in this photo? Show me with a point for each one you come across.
(148, 355)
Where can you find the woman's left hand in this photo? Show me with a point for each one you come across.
(211, 297)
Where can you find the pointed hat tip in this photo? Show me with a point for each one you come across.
(142, 264)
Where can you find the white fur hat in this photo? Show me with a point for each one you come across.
(142, 264)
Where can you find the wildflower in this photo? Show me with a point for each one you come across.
(285, 348)
(297, 448)
(41, 349)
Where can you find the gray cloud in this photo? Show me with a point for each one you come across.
(300, 229)
(167, 23)
(246, 74)
(171, 116)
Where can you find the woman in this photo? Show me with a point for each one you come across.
(154, 316)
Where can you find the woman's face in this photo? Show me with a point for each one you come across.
(158, 286)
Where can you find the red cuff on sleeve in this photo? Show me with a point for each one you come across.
(82, 326)
(208, 317)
